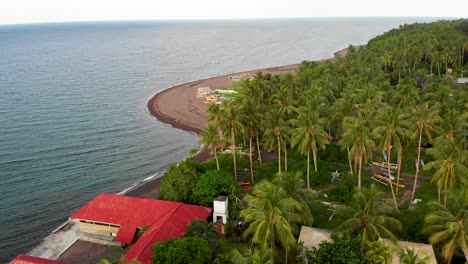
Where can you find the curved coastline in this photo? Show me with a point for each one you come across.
(179, 107)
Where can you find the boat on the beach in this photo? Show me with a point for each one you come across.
(384, 179)
(384, 165)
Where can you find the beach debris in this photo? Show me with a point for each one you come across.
(240, 77)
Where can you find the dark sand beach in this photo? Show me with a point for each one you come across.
(179, 107)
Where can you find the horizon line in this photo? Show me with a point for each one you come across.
(224, 19)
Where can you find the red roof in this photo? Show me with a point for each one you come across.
(24, 259)
(164, 220)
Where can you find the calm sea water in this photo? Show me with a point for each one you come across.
(73, 118)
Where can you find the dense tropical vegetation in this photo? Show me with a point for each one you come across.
(396, 100)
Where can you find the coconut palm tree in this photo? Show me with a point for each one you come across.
(271, 215)
(232, 120)
(294, 187)
(409, 256)
(448, 226)
(210, 138)
(307, 135)
(425, 119)
(368, 215)
(357, 138)
(251, 124)
(449, 163)
(391, 128)
(276, 134)
(387, 60)
(216, 117)
(251, 256)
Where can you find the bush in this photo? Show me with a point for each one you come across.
(213, 183)
(179, 181)
(345, 249)
(194, 250)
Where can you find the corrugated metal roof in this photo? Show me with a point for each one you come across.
(25, 259)
(172, 226)
(165, 220)
(127, 212)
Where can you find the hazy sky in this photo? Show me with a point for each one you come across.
(28, 11)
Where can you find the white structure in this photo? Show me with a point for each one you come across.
(220, 209)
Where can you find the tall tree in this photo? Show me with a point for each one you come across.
(357, 137)
(211, 139)
(270, 216)
(307, 135)
(233, 122)
(391, 127)
(276, 134)
(368, 215)
(425, 119)
(448, 226)
(449, 164)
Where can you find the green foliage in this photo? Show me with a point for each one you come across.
(201, 228)
(226, 163)
(213, 183)
(447, 226)
(184, 250)
(345, 249)
(343, 193)
(179, 181)
(409, 256)
(368, 215)
(377, 252)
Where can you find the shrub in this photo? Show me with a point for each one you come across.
(194, 250)
(213, 183)
(179, 181)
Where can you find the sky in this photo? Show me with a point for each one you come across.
(34, 11)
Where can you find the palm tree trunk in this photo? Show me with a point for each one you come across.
(250, 159)
(314, 154)
(308, 169)
(233, 150)
(216, 158)
(349, 161)
(390, 175)
(258, 149)
(445, 192)
(285, 159)
(360, 166)
(399, 159)
(417, 166)
(431, 68)
(279, 156)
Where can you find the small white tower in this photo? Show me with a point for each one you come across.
(220, 209)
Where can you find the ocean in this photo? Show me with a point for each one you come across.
(73, 116)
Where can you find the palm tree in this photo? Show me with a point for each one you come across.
(270, 216)
(210, 138)
(251, 125)
(250, 256)
(448, 226)
(409, 256)
(425, 119)
(391, 129)
(216, 117)
(449, 164)
(368, 215)
(387, 60)
(276, 134)
(343, 107)
(307, 135)
(357, 138)
(233, 122)
(294, 187)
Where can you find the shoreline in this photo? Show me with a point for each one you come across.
(178, 107)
